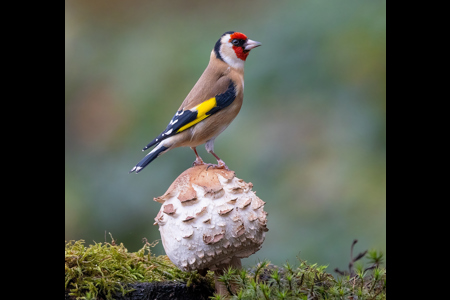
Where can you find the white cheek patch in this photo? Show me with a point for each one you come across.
(228, 55)
(234, 62)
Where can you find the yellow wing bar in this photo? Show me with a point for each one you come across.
(201, 109)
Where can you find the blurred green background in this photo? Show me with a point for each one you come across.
(311, 135)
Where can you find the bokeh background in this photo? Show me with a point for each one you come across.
(311, 135)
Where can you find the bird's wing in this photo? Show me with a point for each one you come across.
(188, 116)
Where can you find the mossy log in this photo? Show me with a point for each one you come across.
(161, 290)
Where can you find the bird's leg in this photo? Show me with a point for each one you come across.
(220, 163)
(198, 160)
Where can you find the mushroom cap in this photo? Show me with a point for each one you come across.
(208, 216)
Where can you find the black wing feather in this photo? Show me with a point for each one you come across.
(225, 99)
(180, 119)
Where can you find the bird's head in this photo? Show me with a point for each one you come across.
(233, 48)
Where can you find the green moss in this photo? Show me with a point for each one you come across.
(266, 281)
(107, 268)
(309, 281)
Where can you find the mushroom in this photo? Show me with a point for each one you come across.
(210, 219)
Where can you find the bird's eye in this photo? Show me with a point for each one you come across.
(235, 42)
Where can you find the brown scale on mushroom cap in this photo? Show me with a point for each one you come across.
(208, 219)
(199, 176)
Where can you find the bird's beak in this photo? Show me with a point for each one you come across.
(249, 45)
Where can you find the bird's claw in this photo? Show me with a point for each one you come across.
(198, 162)
(220, 165)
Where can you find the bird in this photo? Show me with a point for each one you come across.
(211, 105)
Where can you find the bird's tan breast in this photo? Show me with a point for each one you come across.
(214, 81)
(212, 126)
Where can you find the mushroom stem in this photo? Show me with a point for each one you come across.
(221, 288)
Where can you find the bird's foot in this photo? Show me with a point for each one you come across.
(220, 165)
(198, 162)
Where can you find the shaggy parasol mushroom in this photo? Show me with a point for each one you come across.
(210, 219)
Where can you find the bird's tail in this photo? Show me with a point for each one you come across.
(157, 151)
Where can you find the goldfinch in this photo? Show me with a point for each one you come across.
(211, 105)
